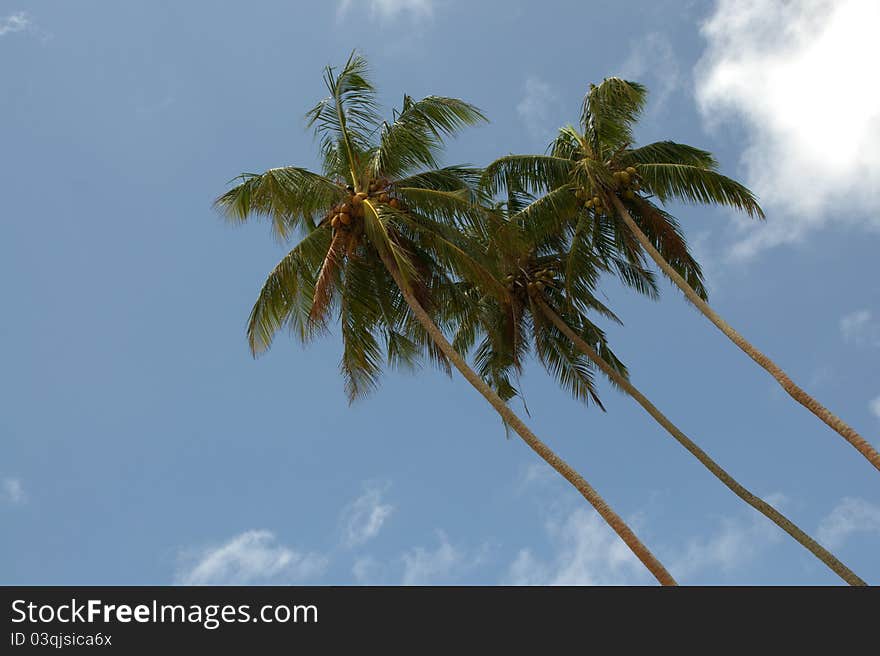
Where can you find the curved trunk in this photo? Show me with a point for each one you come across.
(754, 501)
(845, 430)
(613, 519)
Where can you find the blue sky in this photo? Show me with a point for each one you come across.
(141, 444)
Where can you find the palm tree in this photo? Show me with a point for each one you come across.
(593, 175)
(385, 247)
(538, 309)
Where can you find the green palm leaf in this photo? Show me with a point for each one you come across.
(287, 295)
(288, 196)
(697, 185)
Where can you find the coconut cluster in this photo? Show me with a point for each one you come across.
(626, 184)
(533, 280)
(350, 213)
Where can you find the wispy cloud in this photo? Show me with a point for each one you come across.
(850, 516)
(538, 473)
(12, 491)
(536, 108)
(652, 60)
(250, 558)
(364, 517)
(874, 407)
(16, 22)
(797, 76)
(733, 545)
(367, 570)
(585, 552)
(443, 564)
(860, 328)
(387, 10)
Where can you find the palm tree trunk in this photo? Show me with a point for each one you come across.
(847, 432)
(756, 502)
(613, 519)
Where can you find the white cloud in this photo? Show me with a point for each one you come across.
(538, 473)
(444, 564)
(874, 407)
(366, 570)
(390, 9)
(848, 517)
(250, 558)
(860, 328)
(17, 22)
(364, 517)
(536, 108)
(652, 61)
(586, 552)
(735, 544)
(13, 491)
(799, 76)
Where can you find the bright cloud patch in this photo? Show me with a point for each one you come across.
(17, 22)
(860, 328)
(535, 108)
(735, 544)
(848, 517)
(874, 407)
(652, 60)
(801, 78)
(12, 491)
(586, 552)
(250, 558)
(389, 9)
(366, 570)
(364, 518)
(441, 565)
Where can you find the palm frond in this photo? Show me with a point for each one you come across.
(345, 120)
(697, 185)
(376, 218)
(416, 136)
(668, 152)
(609, 112)
(451, 248)
(568, 144)
(532, 173)
(360, 316)
(287, 295)
(327, 280)
(548, 214)
(287, 196)
(572, 370)
(448, 178)
(666, 236)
